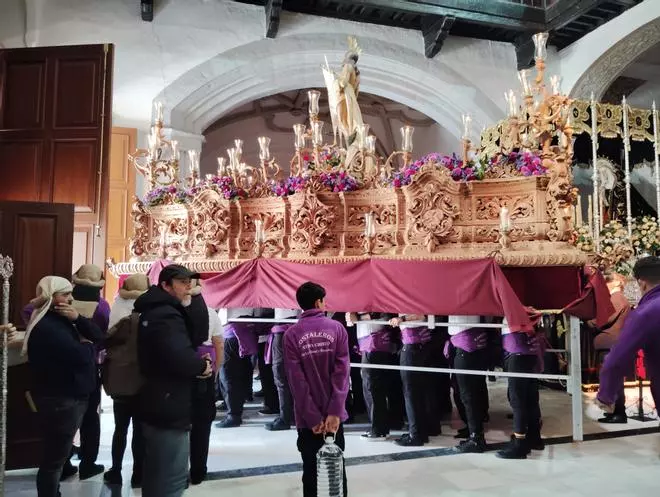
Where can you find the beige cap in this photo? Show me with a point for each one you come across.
(134, 286)
(89, 275)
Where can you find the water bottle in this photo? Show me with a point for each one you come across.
(330, 469)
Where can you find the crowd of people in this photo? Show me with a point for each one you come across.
(159, 351)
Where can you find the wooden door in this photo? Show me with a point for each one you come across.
(55, 111)
(39, 238)
(120, 199)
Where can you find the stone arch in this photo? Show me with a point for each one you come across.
(613, 61)
(266, 67)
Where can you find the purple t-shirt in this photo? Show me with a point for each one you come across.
(316, 358)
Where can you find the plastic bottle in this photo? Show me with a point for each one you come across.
(330, 469)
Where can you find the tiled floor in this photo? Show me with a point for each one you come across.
(613, 467)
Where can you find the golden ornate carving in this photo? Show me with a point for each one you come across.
(311, 223)
(609, 118)
(432, 207)
(139, 242)
(640, 125)
(210, 223)
(580, 112)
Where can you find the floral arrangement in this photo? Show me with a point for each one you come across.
(339, 181)
(646, 235)
(289, 186)
(164, 195)
(583, 239)
(463, 171)
(616, 250)
(225, 186)
(404, 176)
(525, 163)
(329, 159)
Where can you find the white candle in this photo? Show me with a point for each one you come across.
(579, 211)
(504, 218)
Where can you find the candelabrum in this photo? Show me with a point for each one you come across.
(259, 237)
(159, 163)
(545, 115)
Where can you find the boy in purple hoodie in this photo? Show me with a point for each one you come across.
(317, 364)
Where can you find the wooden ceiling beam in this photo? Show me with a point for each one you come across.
(273, 10)
(565, 12)
(435, 30)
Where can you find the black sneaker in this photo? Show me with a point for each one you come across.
(89, 470)
(68, 471)
(517, 449)
(535, 442)
(267, 411)
(476, 444)
(136, 480)
(408, 441)
(462, 433)
(229, 422)
(278, 425)
(113, 477)
(614, 419)
(372, 436)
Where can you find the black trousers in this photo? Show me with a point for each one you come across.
(60, 419)
(236, 377)
(202, 415)
(90, 429)
(383, 393)
(438, 385)
(414, 390)
(523, 394)
(125, 412)
(268, 387)
(308, 445)
(281, 381)
(473, 389)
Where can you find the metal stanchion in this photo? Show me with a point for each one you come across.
(6, 272)
(575, 379)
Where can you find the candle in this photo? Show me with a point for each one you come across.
(159, 112)
(505, 221)
(523, 77)
(579, 211)
(555, 84)
(175, 150)
(313, 96)
(406, 138)
(510, 98)
(362, 134)
(369, 225)
(540, 43)
(194, 160)
(317, 133)
(264, 148)
(371, 144)
(299, 130)
(222, 168)
(467, 126)
(575, 224)
(258, 230)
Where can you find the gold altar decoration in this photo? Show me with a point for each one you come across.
(341, 201)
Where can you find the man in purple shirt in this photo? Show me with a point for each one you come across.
(640, 331)
(317, 364)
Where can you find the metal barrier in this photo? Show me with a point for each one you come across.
(573, 378)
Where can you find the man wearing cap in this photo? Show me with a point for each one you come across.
(169, 364)
(59, 345)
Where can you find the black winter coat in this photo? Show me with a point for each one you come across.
(168, 361)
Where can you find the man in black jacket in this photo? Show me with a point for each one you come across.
(59, 346)
(169, 364)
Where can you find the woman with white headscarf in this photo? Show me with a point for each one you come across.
(59, 345)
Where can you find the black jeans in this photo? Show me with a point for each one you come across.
(90, 429)
(438, 399)
(414, 390)
(473, 389)
(523, 394)
(202, 416)
(125, 411)
(267, 381)
(281, 381)
(383, 394)
(308, 446)
(60, 419)
(236, 377)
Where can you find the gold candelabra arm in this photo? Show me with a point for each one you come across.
(406, 157)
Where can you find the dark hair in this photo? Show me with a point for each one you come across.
(307, 295)
(648, 269)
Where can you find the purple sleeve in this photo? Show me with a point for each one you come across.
(305, 409)
(27, 312)
(101, 315)
(340, 376)
(636, 329)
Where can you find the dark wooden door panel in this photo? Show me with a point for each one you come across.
(27, 78)
(28, 185)
(77, 81)
(55, 123)
(74, 182)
